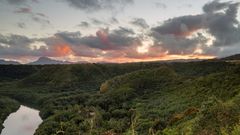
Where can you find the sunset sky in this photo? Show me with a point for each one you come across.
(118, 30)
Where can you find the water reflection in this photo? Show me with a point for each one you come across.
(23, 122)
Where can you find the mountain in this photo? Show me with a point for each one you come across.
(48, 61)
(4, 62)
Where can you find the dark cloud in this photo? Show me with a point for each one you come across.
(215, 6)
(14, 40)
(16, 1)
(37, 17)
(15, 45)
(84, 24)
(22, 46)
(19, 2)
(98, 22)
(21, 25)
(40, 20)
(41, 14)
(121, 37)
(85, 4)
(104, 39)
(93, 45)
(179, 45)
(140, 22)
(86, 51)
(25, 10)
(225, 26)
(36, 1)
(95, 5)
(123, 31)
(181, 26)
(219, 20)
(70, 37)
(114, 20)
(106, 43)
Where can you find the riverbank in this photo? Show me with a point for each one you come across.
(7, 106)
(24, 121)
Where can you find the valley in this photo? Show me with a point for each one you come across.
(134, 98)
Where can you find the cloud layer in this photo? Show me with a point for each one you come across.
(214, 32)
(219, 20)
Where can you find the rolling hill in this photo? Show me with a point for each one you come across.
(232, 57)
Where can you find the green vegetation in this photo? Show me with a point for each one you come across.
(195, 98)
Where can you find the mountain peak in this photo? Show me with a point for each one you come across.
(48, 61)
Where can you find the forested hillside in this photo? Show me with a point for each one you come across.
(198, 98)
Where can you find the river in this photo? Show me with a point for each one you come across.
(22, 122)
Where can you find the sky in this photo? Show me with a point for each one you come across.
(118, 30)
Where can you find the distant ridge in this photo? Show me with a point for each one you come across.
(232, 57)
(48, 61)
(4, 62)
(181, 60)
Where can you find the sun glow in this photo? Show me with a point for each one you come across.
(145, 46)
(143, 49)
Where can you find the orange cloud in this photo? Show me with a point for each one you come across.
(62, 50)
